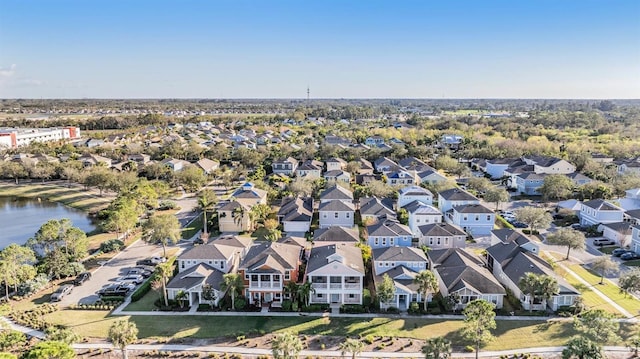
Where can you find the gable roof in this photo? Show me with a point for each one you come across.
(414, 191)
(336, 234)
(248, 190)
(310, 165)
(443, 229)
(472, 208)
(373, 206)
(623, 228)
(419, 207)
(458, 269)
(231, 206)
(403, 254)
(457, 194)
(507, 235)
(336, 206)
(233, 241)
(196, 275)
(351, 255)
(601, 205)
(296, 209)
(388, 228)
(271, 257)
(336, 192)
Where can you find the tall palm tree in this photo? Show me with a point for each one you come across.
(292, 289)
(437, 348)
(427, 283)
(286, 346)
(547, 287)
(233, 283)
(353, 346)
(528, 284)
(206, 202)
(164, 271)
(122, 333)
(304, 292)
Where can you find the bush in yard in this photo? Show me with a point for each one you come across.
(414, 308)
(286, 305)
(112, 245)
(240, 303)
(166, 205)
(32, 286)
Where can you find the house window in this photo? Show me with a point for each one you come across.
(417, 220)
(182, 264)
(319, 295)
(246, 276)
(386, 264)
(286, 275)
(464, 218)
(391, 241)
(347, 214)
(222, 264)
(276, 277)
(477, 218)
(351, 296)
(446, 241)
(254, 277)
(375, 241)
(335, 215)
(384, 241)
(324, 215)
(431, 241)
(488, 217)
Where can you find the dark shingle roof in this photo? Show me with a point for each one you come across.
(336, 193)
(298, 209)
(472, 208)
(196, 275)
(388, 228)
(276, 256)
(336, 234)
(351, 254)
(459, 269)
(457, 194)
(405, 254)
(441, 229)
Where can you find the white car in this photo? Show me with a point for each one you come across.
(132, 278)
(158, 260)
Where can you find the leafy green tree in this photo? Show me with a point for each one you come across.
(207, 201)
(497, 195)
(51, 349)
(13, 260)
(604, 265)
(163, 229)
(386, 290)
(209, 294)
(629, 281)
(597, 325)
(304, 292)
(123, 333)
(437, 348)
(533, 217)
(100, 177)
(479, 184)
(568, 237)
(351, 346)
(181, 297)
(286, 346)
(191, 178)
(234, 284)
(5, 355)
(479, 320)
(13, 170)
(403, 216)
(427, 283)
(580, 347)
(292, 288)
(557, 187)
(634, 343)
(538, 286)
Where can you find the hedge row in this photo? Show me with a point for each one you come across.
(504, 222)
(146, 286)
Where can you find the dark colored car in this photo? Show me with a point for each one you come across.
(145, 262)
(520, 225)
(81, 278)
(139, 271)
(114, 290)
(619, 251)
(629, 256)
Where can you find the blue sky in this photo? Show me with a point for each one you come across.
(340, 49)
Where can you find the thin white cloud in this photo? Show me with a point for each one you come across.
(4, 72)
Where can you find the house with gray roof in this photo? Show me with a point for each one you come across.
(336, 234)
(388, 233)
(338, 193)
(599, 211)
(336, 213)
(296, 213)
(450, 198)
(619, 232)
(442, 235)
(463, 277)
(475, 219)
(512, 257)
(409, 194)
(373, 208)
(336, 273)
(249, 195)
(286, 166)
(420, 214)
(191, 281)
(402, 265)
(310, 169)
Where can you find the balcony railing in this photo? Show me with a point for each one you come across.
(319, 285)
(264, 285)
(352, 286)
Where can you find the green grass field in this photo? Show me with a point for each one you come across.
(72, 197)
(609, 289)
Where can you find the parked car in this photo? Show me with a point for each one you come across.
(81, 278)
(577, 226)
(133, 278)
(519, 225)
(139, 271)
(152, 261)
(630, 255)
(603, 242)
(61, 292)
(158, 260)
(116, 289)
(619, 251)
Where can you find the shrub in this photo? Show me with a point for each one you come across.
(369, 339)
(469, 349)
(286, 305)
(240, 303)
(352, 309)
(366, 297)
(111, 245)
(414, 308)
(316, 308)
(393, 310)
(32, 286)
(166, 205)
(504, 222)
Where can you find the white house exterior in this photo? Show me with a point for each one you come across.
(310, 169)
(336, 273)
(529, 183)
(402, 265)
(191, 281)
(296, 213)
(336, 164)
(286, 166)
(421, 214)
(549, 165)
(598, 211)
(635, 239)
(496, 167)
(619, 232)
(474, 219)
(442, 235)
(431, 176)
(338, 176)
(399, 177)
(373, 208)
(455, 197)
(409, 194)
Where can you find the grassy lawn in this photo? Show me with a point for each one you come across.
(632, 263)
(608, 249)
(73, 197)
(97, 239)
(609, 289)
(510, 334)
(144, 304)
(192, 228)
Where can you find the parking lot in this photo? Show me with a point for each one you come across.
(109, 272)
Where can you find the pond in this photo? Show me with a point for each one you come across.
(20, 218)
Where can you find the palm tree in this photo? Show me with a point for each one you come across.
(528, 284)
(233, 283)
(304, 292)
(238, 214)
(206, 202)
(181, 296)
(292, 289)
(547, 287)
(437, 348)
(353, 346)
(286, 346)
(164, 271)
(427, 283)
(123, 333)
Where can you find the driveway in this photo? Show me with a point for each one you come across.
(109, 272)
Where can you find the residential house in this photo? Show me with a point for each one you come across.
(335, 235)
(336, 273)
(402, 265)
(374, 141)
(549, 165)
(579, 179)
(373, 208)
(409, 194)
(139, 158)
(529, 183)
(336, 213)
(388, 233)
(451, 141)
(336, 193)
(421, 214)
(310, 169)
(475, 219)
(514, 255)
(365, 167)
(337, 176)
(635, 239)
(296, 213)
(599, 211)
(191, 281)
(336, 164)
(208, 166)
(384, 165)
(496, 167)
(174, 164)
(234, 217)
(629, 166)
(217, 255)
(431, 177)
(249, 195)
(336, 140)
(364, 180)
(441, 236)
(90, 160)
(267, 268)
(619, 232)
(450, 198)
(463, 277)
(399, 177)
(286, 166)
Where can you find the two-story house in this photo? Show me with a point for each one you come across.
(442, 235)
(496, 167)
(336, 234)
(234, 217)
(430, 176)
(409, 194)
(336, 164)
(598, 211)
(384, 165)
(388, 233)
(374, 141)
(462, 277)
(475, 219)
(421, 214)
(399, 178)
(336, 207)
(296, 213)
(549, 165)
(373, 208)
(402, 265)
(337, 176)
(635, 239)
(512, 256)
(207, 166)
(267, 268)
(310, 169)
(529, 183)
(250, 195)
(286, 166)
(450, 198)
(336, 273)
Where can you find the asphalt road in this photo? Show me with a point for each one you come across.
(109, 272)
